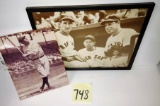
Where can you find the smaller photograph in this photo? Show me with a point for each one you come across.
(33, 61)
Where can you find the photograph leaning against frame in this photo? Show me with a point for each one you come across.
(95, 37)
(33, 61)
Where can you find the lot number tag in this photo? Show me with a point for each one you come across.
(81, 92)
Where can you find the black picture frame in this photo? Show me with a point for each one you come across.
(137, 21)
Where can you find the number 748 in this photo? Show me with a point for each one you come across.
(81, 93)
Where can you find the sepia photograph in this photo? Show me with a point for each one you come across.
(33, 61)
(95, 36)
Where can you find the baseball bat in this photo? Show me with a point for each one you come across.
(14, 45)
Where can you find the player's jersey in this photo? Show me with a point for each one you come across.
(66, 44)
(34, 50)
(39, 59)
(93, 58)
(123, 38)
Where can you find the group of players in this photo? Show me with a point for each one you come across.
(114, 54)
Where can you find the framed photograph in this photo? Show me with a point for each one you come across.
(95, 37)
(33, 61)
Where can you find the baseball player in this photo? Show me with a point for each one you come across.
(33, 51)
(118, 36)
(93, 55)
(66, 44)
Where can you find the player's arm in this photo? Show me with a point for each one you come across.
(79, 58)
(25, 52)
(35, 48)
(80, 55)
(32, 51)
(108, 52)
(67, 58)
(129, 43)
(107, 49)
(73, 58)
(131, 33)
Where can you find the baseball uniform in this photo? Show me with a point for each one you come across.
(123, 39)
(94, 58)
(66, 47)
(37, 55)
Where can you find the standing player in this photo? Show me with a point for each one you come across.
(93, 55)
(118, 36)
(34, 52)
(66, 44)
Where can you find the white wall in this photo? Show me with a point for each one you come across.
(138, 87)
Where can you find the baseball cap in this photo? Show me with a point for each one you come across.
(67, 18)
(110, 18)
(20, 39)
(90, 37)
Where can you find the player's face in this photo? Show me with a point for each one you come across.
(89, 44)
(25, 41)
(115, 53)
(111, 27)
(66, 26)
